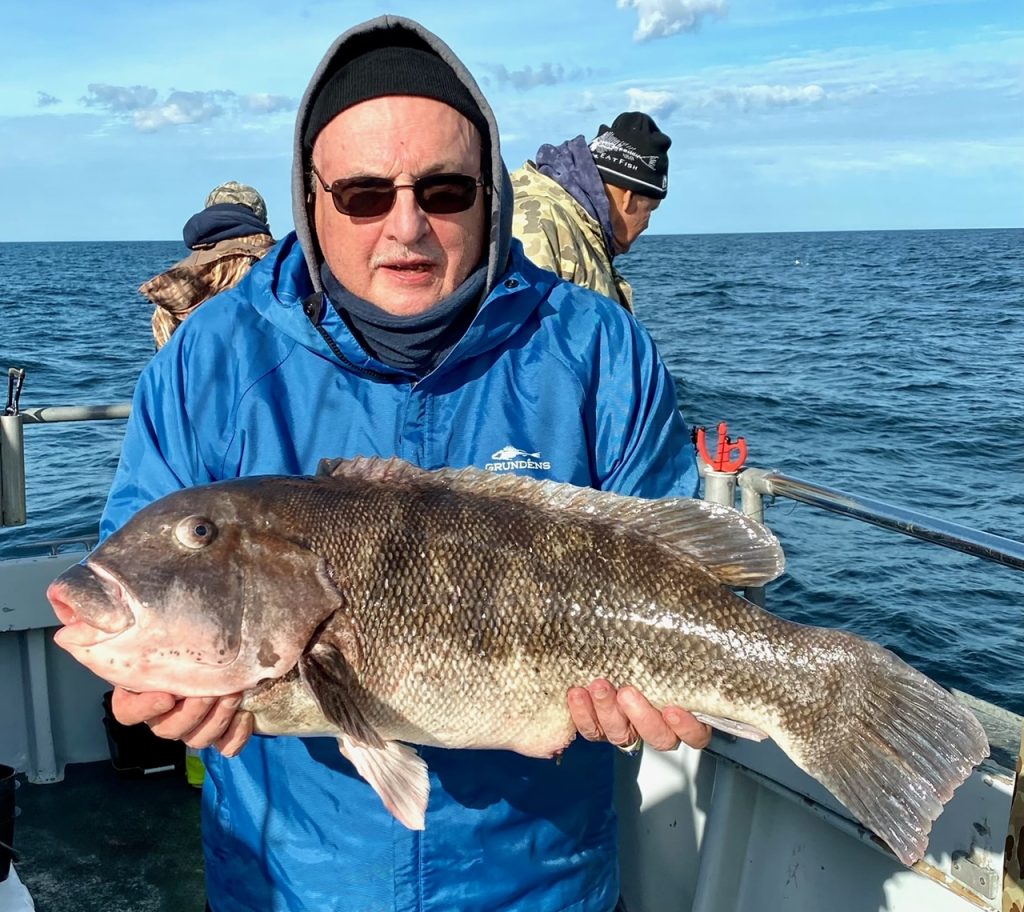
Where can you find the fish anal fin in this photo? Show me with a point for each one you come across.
(396, 773)
(732, 727)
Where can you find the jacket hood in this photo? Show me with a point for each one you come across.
(384, 31)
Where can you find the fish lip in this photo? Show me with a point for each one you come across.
(82, 628)
(111, 581)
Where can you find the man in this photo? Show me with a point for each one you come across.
(226, 237)
(401, 319)
(577, 207)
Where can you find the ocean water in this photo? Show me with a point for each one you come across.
(886, 364)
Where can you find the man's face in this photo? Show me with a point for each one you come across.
(630, 214)
(405, 261)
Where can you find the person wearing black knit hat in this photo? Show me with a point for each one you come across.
(400, 321)
(633, 154)
(579, 204)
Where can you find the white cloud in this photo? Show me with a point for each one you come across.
(745, 98)
(180, 108)
(661, 18)
(764, 96)
(546, 74)
(815, 162)
(139, 105)
(45, 100)
(264, 103)
(119, 99)
(853, 93)
(949, 157)
(657, 104)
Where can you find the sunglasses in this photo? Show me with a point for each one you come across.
(371, 197)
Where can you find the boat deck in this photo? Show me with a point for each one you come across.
(103, 841)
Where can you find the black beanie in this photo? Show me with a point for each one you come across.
(391, 70)
(633, 154)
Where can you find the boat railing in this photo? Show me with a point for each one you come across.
(969, 871)
(754, 485)
(56, 413)
(13, 505)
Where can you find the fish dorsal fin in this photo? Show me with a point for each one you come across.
(737, 550)
(378, 469)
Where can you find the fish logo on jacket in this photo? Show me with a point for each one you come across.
(510, 458)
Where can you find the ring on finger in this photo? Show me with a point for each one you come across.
(632, 749)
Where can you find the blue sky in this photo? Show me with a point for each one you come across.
(116, 118)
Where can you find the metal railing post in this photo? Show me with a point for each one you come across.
(13, 504)
(752, 504)
(720, 487)
(12, 471)
(12, 454)
(721, 473)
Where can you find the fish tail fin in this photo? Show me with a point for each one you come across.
(906, 745)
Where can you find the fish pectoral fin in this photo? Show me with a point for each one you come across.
(732, 727)
(395, 772)
(334, 686)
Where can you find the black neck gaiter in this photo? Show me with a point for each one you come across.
(418, 343)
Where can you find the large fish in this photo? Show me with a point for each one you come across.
(379, 603)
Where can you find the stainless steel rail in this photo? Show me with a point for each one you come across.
(13, 511)
(55, 413)
(759, 482)
(754, 485)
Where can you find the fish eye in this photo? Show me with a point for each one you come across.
(195, 532)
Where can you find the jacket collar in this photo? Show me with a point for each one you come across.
(283, 293)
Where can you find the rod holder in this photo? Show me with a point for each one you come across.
(12, 471)
(720, 487)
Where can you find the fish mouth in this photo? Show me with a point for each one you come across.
(92, 605)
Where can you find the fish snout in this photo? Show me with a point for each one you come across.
(82, 598)
(59, 597)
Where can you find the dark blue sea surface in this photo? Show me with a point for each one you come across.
(886, 364)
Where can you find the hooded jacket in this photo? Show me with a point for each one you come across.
(249, 385)
(557, 233)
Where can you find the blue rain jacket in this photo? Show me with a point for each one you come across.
(550, 380)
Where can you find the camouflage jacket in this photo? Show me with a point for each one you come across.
(558, 234)
(202, 274)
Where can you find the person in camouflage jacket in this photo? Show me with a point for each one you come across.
(226, 237)
(580, 205)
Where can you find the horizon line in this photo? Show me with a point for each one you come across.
(647, 234)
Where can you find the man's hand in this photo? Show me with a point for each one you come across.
(198, 721)
(602, 714)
